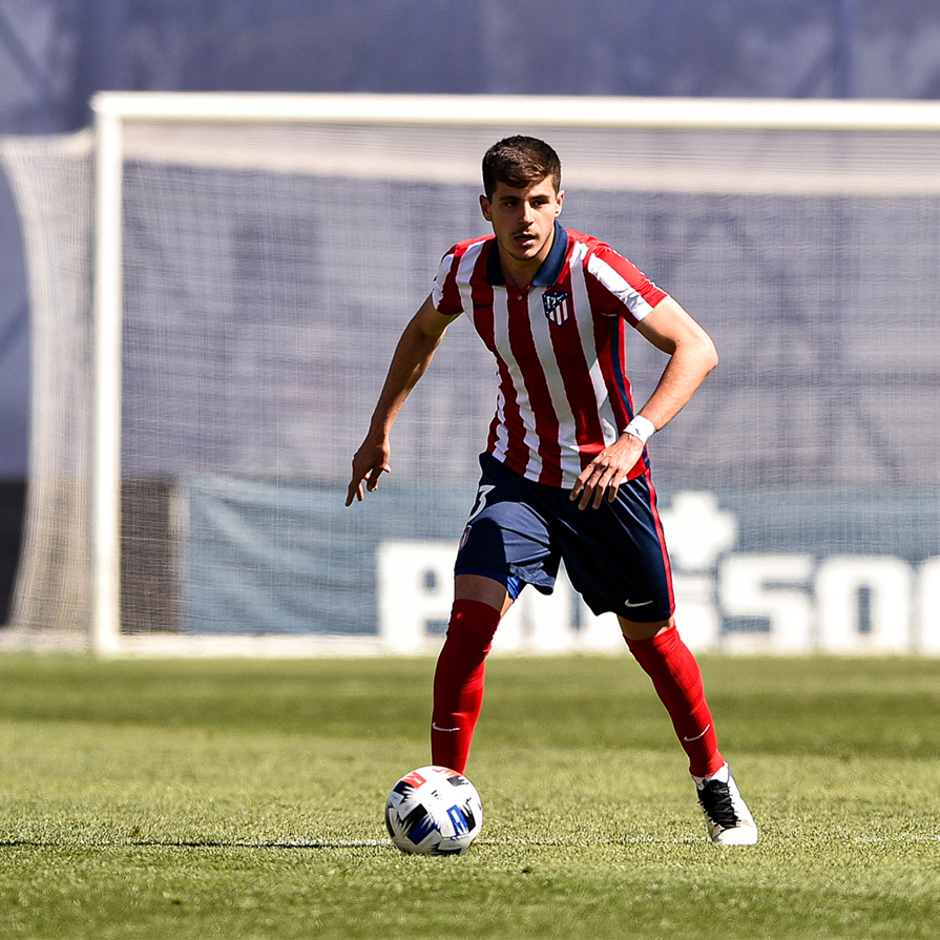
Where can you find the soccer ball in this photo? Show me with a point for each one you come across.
(433, 811)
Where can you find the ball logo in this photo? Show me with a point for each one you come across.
(414, 779)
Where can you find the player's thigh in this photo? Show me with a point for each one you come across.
(507, 537)
(616, 558)
(637, 630)
(483, 589)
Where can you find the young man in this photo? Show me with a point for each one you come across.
(565, 473)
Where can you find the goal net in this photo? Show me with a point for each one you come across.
(218, 283)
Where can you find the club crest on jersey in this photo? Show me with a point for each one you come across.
(557, 305)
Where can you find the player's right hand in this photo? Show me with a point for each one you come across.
(368, 464)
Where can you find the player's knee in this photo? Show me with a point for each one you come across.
(635, 630)
(473, 622)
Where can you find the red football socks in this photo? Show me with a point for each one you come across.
(678, 682)
(458, 681)
(460, 675)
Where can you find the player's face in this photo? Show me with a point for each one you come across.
(523, 221)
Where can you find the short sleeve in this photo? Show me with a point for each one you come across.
(630, 288)
(445, 294)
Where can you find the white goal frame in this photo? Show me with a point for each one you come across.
(113, 110)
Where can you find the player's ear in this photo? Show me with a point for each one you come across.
(485, 208)
(560, 199)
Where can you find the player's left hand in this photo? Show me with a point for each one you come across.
(606, 472)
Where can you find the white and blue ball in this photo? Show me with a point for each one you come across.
(434, 811)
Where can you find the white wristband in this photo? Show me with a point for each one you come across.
(641, 427)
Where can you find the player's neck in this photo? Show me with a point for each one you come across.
(519, 272)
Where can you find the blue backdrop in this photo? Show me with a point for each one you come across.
(54, 54)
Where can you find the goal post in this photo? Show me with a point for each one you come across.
(107, 364)
(253, 258)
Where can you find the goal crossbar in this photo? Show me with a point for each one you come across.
(502, 110)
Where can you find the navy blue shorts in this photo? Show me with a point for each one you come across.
(519, 531)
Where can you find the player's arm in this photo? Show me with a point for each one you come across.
(413, 355)
(692, 356)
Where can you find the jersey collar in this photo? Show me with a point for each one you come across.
(546, 275)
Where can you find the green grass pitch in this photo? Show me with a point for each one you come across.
(235, 799)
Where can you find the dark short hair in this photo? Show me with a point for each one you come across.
(519, 162)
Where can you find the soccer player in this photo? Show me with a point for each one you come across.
(565, 472)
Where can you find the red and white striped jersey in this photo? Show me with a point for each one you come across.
(560, 347)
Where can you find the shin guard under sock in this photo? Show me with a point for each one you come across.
(678, 682)
(458, 681)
